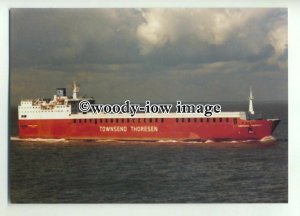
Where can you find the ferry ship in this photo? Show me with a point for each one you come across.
(60, 117)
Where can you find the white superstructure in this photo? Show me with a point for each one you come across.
(64, 107)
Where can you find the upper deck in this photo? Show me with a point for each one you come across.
(67, 107)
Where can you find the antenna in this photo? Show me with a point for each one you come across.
(251, 98)
(75, 90)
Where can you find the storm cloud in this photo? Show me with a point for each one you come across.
(157, 54)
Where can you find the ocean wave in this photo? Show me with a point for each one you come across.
(209, 141)
(104, 140)
(267, 139)
(38, 140)
(168, 141)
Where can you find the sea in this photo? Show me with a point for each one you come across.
(65, 171)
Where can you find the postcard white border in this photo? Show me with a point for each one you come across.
(292, 208)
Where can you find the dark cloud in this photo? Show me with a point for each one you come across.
(157, 54)
(72, 36)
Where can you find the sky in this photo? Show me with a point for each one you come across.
(162, 55)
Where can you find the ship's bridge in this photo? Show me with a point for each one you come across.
(74, 103)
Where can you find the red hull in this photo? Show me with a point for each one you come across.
(143, 129)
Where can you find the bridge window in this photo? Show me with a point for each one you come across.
(176, 119)
(207, 120)
(95, 121)
(117, 120)
(227, 120)
(111, 120)
(195, 120)
(235, 121)
(182, 120)
(74, 120)
(162, 120)
(156, 120)
(220, 119)
(201, 119)
(106, 120)
(150, 120)
(189, 120)
(214, 119)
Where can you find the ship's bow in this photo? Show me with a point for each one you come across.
(275, 123)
